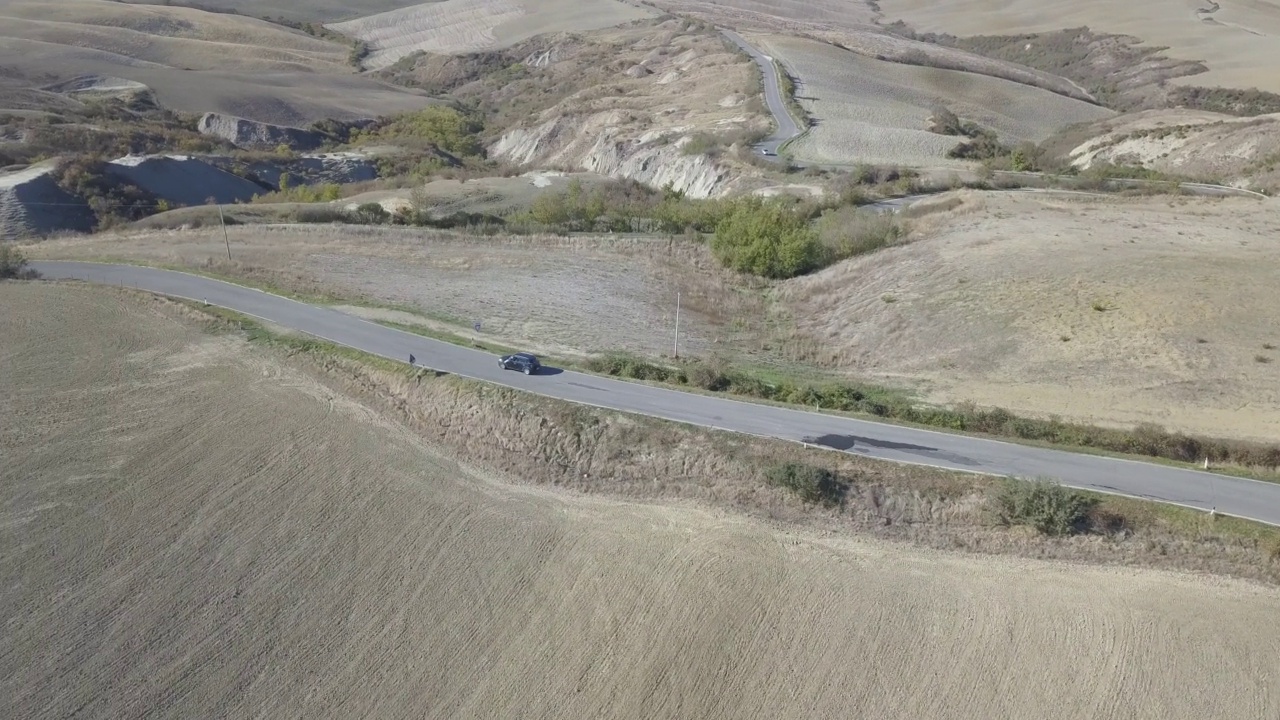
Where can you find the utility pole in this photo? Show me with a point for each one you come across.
(225, 239)
(675, 345)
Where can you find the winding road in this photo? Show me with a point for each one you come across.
(786, 124)
(787, 129)
(1245, 498)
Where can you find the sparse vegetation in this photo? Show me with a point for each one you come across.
(13, 264)
(1046, 506)
(849, 231)
(439, 127)
(288, 193)
(109, 127)
(982, 143)
(886, 499)
(812, 484)
(1232, 101)
(787, 88)
(112, 199)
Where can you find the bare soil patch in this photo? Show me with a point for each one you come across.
(205, 528)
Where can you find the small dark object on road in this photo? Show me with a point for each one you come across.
(410, 358)
(522, 361)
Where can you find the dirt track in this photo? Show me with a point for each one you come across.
(205, 531)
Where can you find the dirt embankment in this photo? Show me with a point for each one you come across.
(256, 534)
(32, 204)
(1205, 146)
(637, 96)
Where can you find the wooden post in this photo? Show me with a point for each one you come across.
(225, 239)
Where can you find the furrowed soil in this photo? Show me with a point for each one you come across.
(193, 526)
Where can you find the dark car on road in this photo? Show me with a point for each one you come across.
(522, 361)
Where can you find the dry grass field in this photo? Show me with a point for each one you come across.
(488, 195)
(195, 527)
(577, 294)
(194, 61)
(463, 26)
(1238, 42)
(1113, 310)
(992, 301)
(878, 112)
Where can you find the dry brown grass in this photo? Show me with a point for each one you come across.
(583, 293)
(231, 538)
(985, 296)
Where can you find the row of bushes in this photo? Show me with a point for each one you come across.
(1145, 440)
(774, 238)
(1051, 509)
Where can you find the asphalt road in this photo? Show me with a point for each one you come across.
(786, 124)
(1235, 496)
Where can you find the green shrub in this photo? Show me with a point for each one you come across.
(1049, 508)
(371, 213)
(815, 485)
(13, 264)
(768, 240)
(627, 366)
(708, 376)
(289, 193)
(438, 126)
